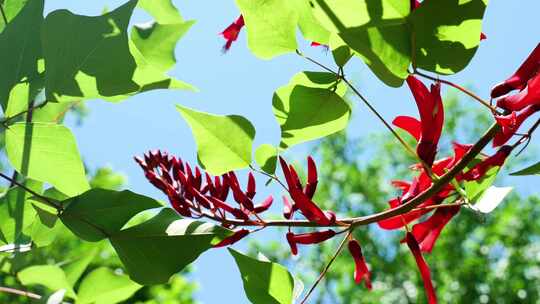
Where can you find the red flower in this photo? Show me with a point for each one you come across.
(308, 238)
(496, 160)
(237, 236)
(302, 196)
(428, 231)
(231, 32)
(483, 36)
(510, 124)
(530, 95)
(518, 81)
(423, 267)
(361, 271)
(414, 4)
(431, 110)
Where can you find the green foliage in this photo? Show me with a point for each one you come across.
(311, 106)
(266, 158)
(102, 285)
(224, 143)
(52, 277)
(264, 282)
(99, 213)
(47, 153)
(164, 245)
(531, 170)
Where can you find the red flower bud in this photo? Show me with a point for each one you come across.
(423, 267)
(288, 208)
(361, 271)
(264, 205)
(231, 32)
(312, 179)
(308, 238)
(237, 236)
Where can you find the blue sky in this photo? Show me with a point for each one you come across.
(239, 83)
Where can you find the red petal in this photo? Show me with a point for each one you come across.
(483, 36)
(231, 32)
(529, 96)
(237, 236)
(264, 205)
(292, 243)
(287, 208)
(423, 267)
(312, 181)
(361, 271)
(428, 231)
(518, 81)
(409, 124)
(496, 160)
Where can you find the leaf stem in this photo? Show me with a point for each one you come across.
(462, 89)
(327, 267)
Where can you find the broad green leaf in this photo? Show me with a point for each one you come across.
(310, 107)
(446, 42)
(75, 269)
(17, 217)
(164, 245)
(47, 153)
(531, 170)
(385, 50)
(224, 143)
(20, 47)
(491, 198)
(341, 15)
(55, 298)
(12, 8)
(474, 189)
(266, 158)
(45, 227)
(270, 25)
(264, 282)
(163, 11)
(50, 276)
(98, 213)
(341, 52)
(310, 27)
(92, 57)
(103, 286)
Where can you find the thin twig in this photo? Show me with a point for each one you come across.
(271, 176)
(20, 292)
(45, 199)
(316, 62)
(526, 137)
(325, 270)
(462, 89)
(3, 13)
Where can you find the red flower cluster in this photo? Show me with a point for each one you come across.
(193, 196)
(232, 31)
(521, 105)
(427, 132)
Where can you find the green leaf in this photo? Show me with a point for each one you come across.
(163, 11)
(75, 269)
(266, 158)
(341, 52)
(45, 227)
(98, 213)
(270, 25)
(474, 189)
(47, 153)
(264, 282)
(103, 286)
(310, 107)
(164, 245)
(491, 198)
(445, 43)
(531, 170)
(224, 143)
(16, 217)
(20, 47)
(50, 276)
(92, 57)
(311, 28)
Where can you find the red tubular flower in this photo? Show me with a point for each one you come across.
(302, 201)
(288, 208)
(237, 236)
(241, 197)
(423, 267)
(519, 80)
(231, 32)
(483, 36)
(308, 238)
(312, 178)
(528, 96)
(431, 110)
(510, 124)
(496, 160)
(264, 205)
(361, 271)
(427, 232)
(409, 124)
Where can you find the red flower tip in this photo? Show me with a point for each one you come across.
(414, 4)
(361, 271)
(312, 179)
(308, 238)
(519, 80)
(409, 124)
(530, 95)
(251, 186)
(483, 36)
(264, 205)
(237, 236)
(231, 32)
(423, 267)
(288, 208)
